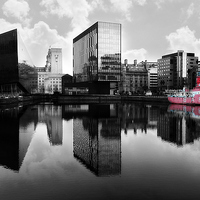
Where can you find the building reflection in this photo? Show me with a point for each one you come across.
(96, 130)
(27, 125)
(18, 125)
(138, 116)
(17, 128)
(51, 115)
(133, 117)
(97, 139)
(181, 125)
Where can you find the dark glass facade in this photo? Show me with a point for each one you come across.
(97, 53)
(15, 64)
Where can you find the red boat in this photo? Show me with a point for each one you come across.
(186, 96)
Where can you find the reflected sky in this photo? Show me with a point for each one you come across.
(138, 151)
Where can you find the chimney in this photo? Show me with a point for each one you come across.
(125, 61)
(145, 64)
(135, 63)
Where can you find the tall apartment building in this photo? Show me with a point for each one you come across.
(54, 61)
(97, 57)
(177, 70)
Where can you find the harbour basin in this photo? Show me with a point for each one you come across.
(100, 151)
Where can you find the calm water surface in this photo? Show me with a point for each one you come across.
(116, 151)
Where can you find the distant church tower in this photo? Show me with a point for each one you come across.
(54, 60)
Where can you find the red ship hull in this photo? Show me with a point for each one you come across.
(185, 100)
(187, 97)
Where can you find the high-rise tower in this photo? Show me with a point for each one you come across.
(54, 60)
(97, 56)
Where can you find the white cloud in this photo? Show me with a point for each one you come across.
(141, 2)
(135, 54)
(6, 26)
(123, 7)
(184, 39)
(18, 9)
(77, 10)
(159, 3)
(190, 10)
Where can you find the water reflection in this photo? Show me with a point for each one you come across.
(118, 151)
(97, 139)
(139, 117)
(18, 125)
(97, 130)
(51, 115)
(182, 124)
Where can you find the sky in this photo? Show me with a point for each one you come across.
(150, 28)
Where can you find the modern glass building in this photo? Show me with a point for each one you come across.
(97, 56)
(15, 64)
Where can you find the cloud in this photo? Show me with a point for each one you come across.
(77, 10)
(98, 4)
(159, 3)
(135, 54)
(141, 2)
(190, 10)
(18, 9)
(6, 26)
(122, 7)
(184, 39)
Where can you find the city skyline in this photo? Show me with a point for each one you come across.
(150, 29)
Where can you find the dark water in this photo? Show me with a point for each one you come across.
(122, 151)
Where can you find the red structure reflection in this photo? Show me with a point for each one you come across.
(193, 111)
